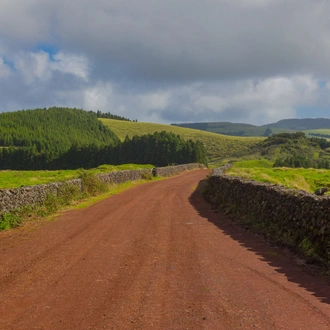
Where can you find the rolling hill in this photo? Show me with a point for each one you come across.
(240, 129)
(217, 146)
(301, 124)
(52, 138)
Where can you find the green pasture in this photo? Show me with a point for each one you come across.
(217, 146)
(320, 131)
(297, 178)
(15, 179)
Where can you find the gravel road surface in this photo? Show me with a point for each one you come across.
(154, 257)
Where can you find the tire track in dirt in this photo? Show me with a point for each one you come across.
(153, 257)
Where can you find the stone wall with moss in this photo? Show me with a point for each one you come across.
(294, 218)
(12, 199)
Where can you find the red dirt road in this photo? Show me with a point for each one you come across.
(153, 257)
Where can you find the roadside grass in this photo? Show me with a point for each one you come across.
(15, 179)
(296, 178)
(217, 146)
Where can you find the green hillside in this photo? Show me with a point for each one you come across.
(217, 146)
(64, 138)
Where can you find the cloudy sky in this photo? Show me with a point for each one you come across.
(252, 61)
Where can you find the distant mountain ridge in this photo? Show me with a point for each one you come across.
(241, 129)
(301, 124)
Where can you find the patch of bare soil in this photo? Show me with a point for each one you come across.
(153, 257)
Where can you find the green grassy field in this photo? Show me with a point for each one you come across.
(297, 178)
(320, 131)
(16, 179)
(217, 146)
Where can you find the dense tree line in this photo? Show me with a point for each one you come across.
(111, 116)
(322, 135)
(159, 149)
(323, 143)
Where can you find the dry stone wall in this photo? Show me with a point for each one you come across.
(174, 170)
(12, 199)
(123, 176)
(291, 217)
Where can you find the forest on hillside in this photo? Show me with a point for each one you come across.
(64, 138)
(54, 130)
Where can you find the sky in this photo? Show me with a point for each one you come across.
(173, 61)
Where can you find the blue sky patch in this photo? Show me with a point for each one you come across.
(323, 83)
(9, 63)
(48, 48)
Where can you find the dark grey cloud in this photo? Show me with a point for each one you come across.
(175, 60)
(194, 40)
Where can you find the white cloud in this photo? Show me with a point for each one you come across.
(155, 100)
(33, 66)
(278, 92)
(249, 101)
(76, 65)
(99, 97)
(39, 67)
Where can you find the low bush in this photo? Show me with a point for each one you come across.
(91, 184)
(147, 176)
